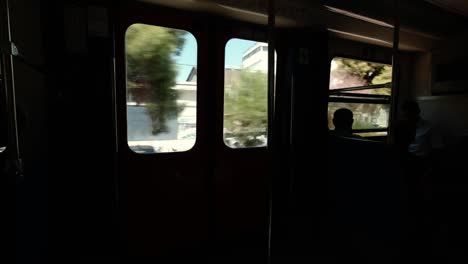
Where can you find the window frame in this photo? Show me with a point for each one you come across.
(334, 95)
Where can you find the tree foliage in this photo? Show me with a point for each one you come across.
(151, 70)
(352, 73)
(371, 73)
(362, 73)
(246, 109)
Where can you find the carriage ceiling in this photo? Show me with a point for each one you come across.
(423, 24)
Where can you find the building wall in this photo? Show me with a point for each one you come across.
(258, 61)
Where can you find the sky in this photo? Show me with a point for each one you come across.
(188, 57)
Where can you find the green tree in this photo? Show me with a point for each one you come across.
(352, 73)
(367, 72)
(151, 70)
(246, 108)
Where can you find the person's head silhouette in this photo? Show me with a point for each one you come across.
(343, 121)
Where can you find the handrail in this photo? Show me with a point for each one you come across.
(358, 100)
(358, 88)
(382, 96)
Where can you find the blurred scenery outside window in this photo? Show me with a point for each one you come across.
(364, 88)
(245, 94)
(162, 86)
(161, 89)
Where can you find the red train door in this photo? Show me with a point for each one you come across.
(192, 136)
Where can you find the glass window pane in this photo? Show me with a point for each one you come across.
(245, 94)
(348, 73)
(366, 116)
(161, 89)
(345, 73)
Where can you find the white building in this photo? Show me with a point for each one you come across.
(187, 119)
(256, 57)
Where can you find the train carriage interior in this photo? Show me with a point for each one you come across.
(220, 131)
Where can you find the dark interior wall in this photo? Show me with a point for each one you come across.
(63, 83)
(81, 125)
(406, 68)
(31, 192)
(421, 80)
(449, 113)
(29, 77)
(447, 110)
(31, 105)
(26, 29)
(3, 115)
(451, 48)
(447, 50)
(448, 66)
(296, 184)
(424, 72)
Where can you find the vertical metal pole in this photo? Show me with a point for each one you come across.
(271, 108)
(11, 99)
(396, 70)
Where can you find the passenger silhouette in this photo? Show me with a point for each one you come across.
(420, 147)
(343, 121)
(404, 136)
(426, 139)
(419, 176)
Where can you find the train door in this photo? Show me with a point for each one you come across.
(301, 182)
(191, 166)
(242, 146)
(163, 178)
